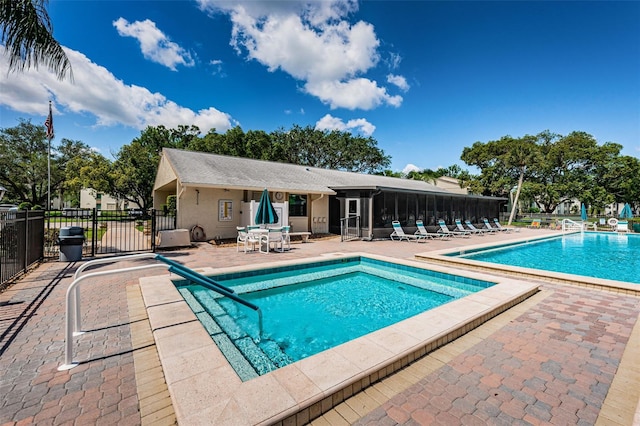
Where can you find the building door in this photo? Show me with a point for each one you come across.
(351, 221)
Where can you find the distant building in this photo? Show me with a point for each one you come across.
(90, 198)
(451, 185)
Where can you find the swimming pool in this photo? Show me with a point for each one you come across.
(309, 308)
(205, 388)
(603, 255)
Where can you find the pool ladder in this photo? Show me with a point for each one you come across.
(72, 299)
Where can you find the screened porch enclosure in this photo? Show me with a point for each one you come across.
(378, 209)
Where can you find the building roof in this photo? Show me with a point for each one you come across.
(220, 171)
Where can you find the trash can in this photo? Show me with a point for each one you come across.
(636, 227)
(71, 240)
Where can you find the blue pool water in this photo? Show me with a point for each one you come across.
(600, 255)
(312, 307)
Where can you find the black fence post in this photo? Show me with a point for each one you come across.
(94, 232)
(153, 230)
(26, 241)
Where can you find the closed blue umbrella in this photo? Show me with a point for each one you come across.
(583, 212)
(626, 212)
(266, 213)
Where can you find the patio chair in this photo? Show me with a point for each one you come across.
(272, 236)
(423, 231)
(480, 231)
(286, 237)
(446, 231)
(499, 226)
(399, 234)
(245, 238)
(461, 228)
(488, 225)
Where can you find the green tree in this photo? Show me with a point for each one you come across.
(23, 163)
(134, 170)
(551, 169)
(27, 34)
(504, 164)
(621, 178)
(328, 149)
(89, 170)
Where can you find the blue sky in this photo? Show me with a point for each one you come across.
(424, 78)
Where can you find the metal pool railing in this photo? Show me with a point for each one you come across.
(72, 299)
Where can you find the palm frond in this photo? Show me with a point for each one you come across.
(27, 34)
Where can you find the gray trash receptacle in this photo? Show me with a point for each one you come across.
(71, 240)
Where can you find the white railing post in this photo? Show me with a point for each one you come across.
(75, 298)
(72, 299)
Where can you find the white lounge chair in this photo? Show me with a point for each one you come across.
(622, 226)
(497, 225)
(488, 225)
(461, 228)
(399, 234)
(423, 231)
(473, 228)
(446, 231)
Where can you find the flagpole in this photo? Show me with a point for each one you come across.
(49, 125)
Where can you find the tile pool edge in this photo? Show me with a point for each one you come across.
(205, 389)
(444, 258)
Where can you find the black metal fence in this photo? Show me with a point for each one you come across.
(108, 231)
(27, 237)
(21, 242)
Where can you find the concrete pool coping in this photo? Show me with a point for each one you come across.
(443, 257)
(205, 389)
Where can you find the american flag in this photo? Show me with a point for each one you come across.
(48, 123)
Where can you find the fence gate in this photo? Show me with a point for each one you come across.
(107, 231)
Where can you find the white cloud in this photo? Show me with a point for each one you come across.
(98, 92)
(328, 122)
(410, 168)
(399, 81)
(314, 43)
(155, 45)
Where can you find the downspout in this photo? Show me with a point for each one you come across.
(309, 216)
(178, 196)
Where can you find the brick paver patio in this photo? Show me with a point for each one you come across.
(557, 358)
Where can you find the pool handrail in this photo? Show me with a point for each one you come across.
(72, 307)
(72, 298)
(201, 277)
(185, 273)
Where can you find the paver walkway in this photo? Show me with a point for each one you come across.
(550, 360)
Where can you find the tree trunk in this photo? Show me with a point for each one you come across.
(515, 201)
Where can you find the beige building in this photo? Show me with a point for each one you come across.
(219, 193)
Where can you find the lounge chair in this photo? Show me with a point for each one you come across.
(534, 224)
(446, 231)
(497, 225)
(461, 228)
(623, 226)
(399, 234)
(423, 231)
(473, 228)
(245, 238)
(488, 225)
